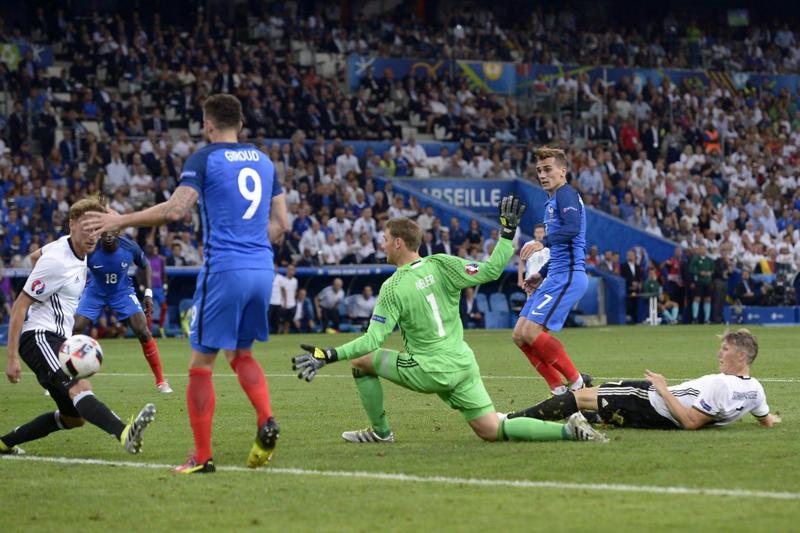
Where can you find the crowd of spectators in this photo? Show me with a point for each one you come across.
(537, 34)
(703, 166)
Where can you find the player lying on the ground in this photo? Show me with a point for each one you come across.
(41, 319)
(422, 298)
(712, 400)
(110, 285)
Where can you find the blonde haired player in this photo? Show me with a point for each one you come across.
(41, 320)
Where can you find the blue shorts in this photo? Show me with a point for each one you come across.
(551, 303)
(123, 303)
(229, 310)
(158, 295)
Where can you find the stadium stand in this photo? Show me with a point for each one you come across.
(702, 165)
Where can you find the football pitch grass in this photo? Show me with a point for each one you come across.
(437, 476)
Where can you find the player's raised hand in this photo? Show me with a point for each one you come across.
(310, 362)
(98, 223)
(511, 211)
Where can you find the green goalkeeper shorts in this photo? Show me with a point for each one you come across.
(462, 390)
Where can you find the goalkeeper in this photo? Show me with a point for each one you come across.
(422, 297)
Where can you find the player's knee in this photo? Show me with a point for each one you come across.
(363, 365)
(71, 422)
(486, 432)
(144, 336)
(516, 336)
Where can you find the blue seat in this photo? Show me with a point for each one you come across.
(497, 319)
(498, 302)
(481, 300)
(517, 300)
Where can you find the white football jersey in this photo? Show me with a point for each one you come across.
(724, 398)
(535, 262)
(55, 284)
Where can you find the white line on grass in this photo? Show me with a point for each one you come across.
(348, 376)
(385, 476)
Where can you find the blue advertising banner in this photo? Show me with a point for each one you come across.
(13, 53)
(481, 196)
(357, 67)
(768, 315)
(519, 78)
(490, 76)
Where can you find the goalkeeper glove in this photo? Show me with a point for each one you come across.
(309, 363)
(511, 210)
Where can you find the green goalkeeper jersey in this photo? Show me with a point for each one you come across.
(422, 297)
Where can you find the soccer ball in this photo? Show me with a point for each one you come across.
(80, 356)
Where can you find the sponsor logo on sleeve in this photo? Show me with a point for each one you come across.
(471, 269)
(379, 318)
(705, 406)
(37, 286)
(569, 208)
(187, 174)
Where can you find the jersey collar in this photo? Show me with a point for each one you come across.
(79, 258)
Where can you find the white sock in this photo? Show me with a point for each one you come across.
(578, 384)
(559, 390)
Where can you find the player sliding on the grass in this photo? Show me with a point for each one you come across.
(110, 284)
(41, 320)
(712, 400)
(422, 298)
(564, 276)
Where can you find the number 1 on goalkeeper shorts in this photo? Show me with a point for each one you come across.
(436, 316)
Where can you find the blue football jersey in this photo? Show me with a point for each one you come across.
(109, 271)
(565, 224)
(236, 183)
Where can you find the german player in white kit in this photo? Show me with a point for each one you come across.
(713, 400)
(49, 299)
(528, 272)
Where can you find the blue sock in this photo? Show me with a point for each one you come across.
(674, 314)
(695, 310)
(707, 311)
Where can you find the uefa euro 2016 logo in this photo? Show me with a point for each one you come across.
(493, 71)
(37, 286)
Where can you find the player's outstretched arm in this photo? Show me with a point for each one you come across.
(460, 273)
(181, 202)
(310, 362)
(381, 325)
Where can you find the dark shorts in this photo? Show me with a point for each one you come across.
(627, 404)
(39, 350)
(702, 291)
(287, 314)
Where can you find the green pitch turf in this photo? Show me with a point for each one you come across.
(315, 485)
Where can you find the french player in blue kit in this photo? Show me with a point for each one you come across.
(243, 208)
(109, 284)
(564, 276)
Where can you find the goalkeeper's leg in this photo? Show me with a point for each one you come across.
(371, 393)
